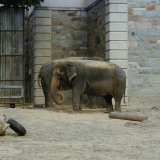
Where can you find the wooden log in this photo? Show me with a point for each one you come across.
(127, 116)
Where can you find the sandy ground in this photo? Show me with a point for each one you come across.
(58, 135)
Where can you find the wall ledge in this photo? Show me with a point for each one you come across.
(93, 4)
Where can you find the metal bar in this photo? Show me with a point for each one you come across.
(11, 30)
(24, 55)
(12, 97)
(11, 55)
(8, 88)
(12, 87)
(12, 80)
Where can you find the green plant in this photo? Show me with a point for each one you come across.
(20, 3)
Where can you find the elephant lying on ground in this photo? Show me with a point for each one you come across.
(45, 74)
(96, 78)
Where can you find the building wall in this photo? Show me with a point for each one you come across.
(96, 29)
(69, 33)
(62, 32)
(143, 52)
(131, 40)
(116, 39)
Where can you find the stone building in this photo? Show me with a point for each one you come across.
(125, 32)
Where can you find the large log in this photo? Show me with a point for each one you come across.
(127, 116)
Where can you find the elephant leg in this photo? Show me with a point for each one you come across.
(109, 105)
(92, 102)
(77, 96)
(80, 105)
(118, 104)
(47, 95)
(48, 100)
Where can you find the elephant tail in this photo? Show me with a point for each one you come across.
(124, 94)
(124, 100)
(38, 78)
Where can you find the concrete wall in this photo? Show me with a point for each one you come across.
(144, 55)
(116, 36)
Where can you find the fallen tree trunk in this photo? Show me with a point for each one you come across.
(127, 116)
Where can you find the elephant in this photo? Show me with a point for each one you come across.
(96, 78)
(45, 75)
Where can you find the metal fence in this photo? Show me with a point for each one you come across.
(11, 55)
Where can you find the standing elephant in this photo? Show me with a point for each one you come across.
(96, 78)
(45, 74)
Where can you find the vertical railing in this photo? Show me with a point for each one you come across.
(11, 55)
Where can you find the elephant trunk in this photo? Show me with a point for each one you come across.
(58, 98)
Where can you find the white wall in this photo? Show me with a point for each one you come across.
(89, 2)
(64, 3)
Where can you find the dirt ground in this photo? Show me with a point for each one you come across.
(55, 134)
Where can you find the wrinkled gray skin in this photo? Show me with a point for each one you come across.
(45, 75)
(96, 78)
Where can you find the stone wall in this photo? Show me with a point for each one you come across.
(144, 52)
(69, 33)
(96, 29)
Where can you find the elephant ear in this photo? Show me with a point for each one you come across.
(71, 71)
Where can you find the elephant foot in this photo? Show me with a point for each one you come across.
(76, 112)
(117, 110)
(108, 110)
(50, 106)
(93, 106)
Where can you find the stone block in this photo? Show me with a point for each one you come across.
(39, 100)
(37, 68)
(151, 14)
(131, 24)
(57, 28)
(35, 80)
(42, 37)
(151, 62)
(116, 36)
(116, 54)
(60, 38)
(38, 93)
(156, 70)
(116, 8)
(117, 27)
(42, 29)
(143, 25)
(122, 63)
(41, 60)
(116, 45)
(42, 53)
(43, 13)
(42, 21)
(146, 70)
(42, 45)
(116, 17)
(115, 1)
